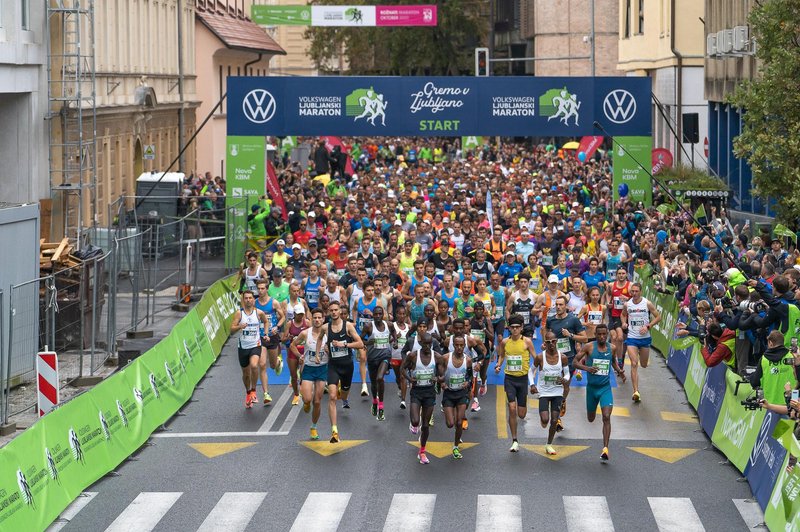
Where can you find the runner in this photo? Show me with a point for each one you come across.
(298, 324)
(616, 296)
(362, 310)
(480, 328)
(449, 293)
(498, 317)
(456, 370)
(249, 320)
(638, 317)
(521, 303)
(278, 290)
(254, 271)
(568, 330)
(593, 314)
(516, 351)
(312, 286)
(315, 367)
(553, 378)
(402, 328)
(595, 359)
(420, 370)
(342, 337)
(380, 340)
(546, 302)
(270, 337)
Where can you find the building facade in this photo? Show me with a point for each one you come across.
(664, 40)
(726, 64)
(296, 62)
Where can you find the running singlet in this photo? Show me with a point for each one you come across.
(424, 374)
(549, 310)
(251, 336)
(416, 311)
(594, 316)
(499, 302)
(338, 353)
(281, 293)
(518, 360)
(638, 317)
(616, 297)
(268, 309)
(311, 294)
(357, 293)
(451, 301)
(295, 330)
(251, 280)
(548, 376)
(455, 378)
(381, 349)
(312, 347)
(602, 361)
(361, 313)
(401, 333)
(523, 307)
(612, 263)
(536, 279)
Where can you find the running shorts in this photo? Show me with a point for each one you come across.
(315, 373)
(271, 342)
(246, 354)
(516, 388)
(396, 362)
(341, 373)
(598, 395)
(373, 365)
(639, 342)
(552, 404)
(423, 395)
(453, 398)
(615, 322)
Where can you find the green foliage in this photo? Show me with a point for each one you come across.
(688, 178)
(447, 49)
(770, 138)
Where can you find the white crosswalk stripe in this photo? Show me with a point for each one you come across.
(675, 514)
(233, 512)
(321, 512)
(144, 513)
(588, 514)
(408, 512)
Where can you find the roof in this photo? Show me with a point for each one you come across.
(238, 32)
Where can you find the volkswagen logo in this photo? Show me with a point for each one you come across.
(258, 106)
(619, 106)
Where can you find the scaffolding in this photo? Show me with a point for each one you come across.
(72, 114)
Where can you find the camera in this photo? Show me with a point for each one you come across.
(725, 302)
(754, 401)
(753, 306)
(708, 275)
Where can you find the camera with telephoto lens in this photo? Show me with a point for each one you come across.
(708, 275)
(753, 306)
(753, 402)
(726, 302)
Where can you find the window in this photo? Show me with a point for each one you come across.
(627, 21)
(25, 14)
(641, 16)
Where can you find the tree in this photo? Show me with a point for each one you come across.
(770, 137)
(446, 49)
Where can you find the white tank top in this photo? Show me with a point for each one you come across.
(357, 293)
(468, 351)
(424, 374)
(312, 347)
(547, 378)
(250, 336)
(575, 303)
(456, 378)
(336, 295)
(251, 280)
(402, 335)
(638, 317)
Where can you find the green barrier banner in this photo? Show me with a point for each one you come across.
(783, 509)
(695, 377)
(45, 468)
(737, 429)
(666, 304)
(282, 15)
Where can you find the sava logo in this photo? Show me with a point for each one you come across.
(137, 394)
(75, 445)
(761, 440)
(51, 464)
(169, 373)
(188, 351)
(104, 425)
(24, 488)
(122, 417)
(154, 386)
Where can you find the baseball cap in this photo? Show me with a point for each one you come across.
(312, 242)
(277, 272)
(254, 208)
(509, 253)
(280, 242)
(587, 209)
(299, 309)
(552, 279)
(296, 246)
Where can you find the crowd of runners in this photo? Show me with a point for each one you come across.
(443, 266)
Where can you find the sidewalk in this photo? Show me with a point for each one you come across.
(69, 362)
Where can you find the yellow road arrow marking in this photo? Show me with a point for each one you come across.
(212, 450)
(326, 448)
(681, 417)
(665, 454)
(564, 451)
(440, 449)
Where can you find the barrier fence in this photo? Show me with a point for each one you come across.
(760, 444)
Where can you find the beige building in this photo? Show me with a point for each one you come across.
(296, 62)
(664, 39)
(228, 44)
(563, 28)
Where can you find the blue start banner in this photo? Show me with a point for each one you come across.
(438, 106)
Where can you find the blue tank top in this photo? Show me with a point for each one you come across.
(269, 310)
(414, 282)
(361, 309)
(416, 311)
(451, 301)
(612, 263)
(499, 296)
(602, 360)
(312, 294)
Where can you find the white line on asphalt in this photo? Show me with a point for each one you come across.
(410, 512)
(215, 434)
(232, 512)
(321, 512)
(72, 510)
(750, 511)
(587, 514)
(499, 512)
(144, 513)
(288, 423)
(675, 514)
(277, 406)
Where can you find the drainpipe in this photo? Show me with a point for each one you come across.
(678, 83)
(253, 62)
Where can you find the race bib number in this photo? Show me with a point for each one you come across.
(563, 345)
(547, 260)
(478, 333)
(339, 352)
(498, 313)
(526, 317)
(617, 303)
(602, 365)
(551, 313)
(382, 342)
(638, 323)
(456, 382)
(595, 317)
(424, 377)
(514, 363)
(551, 380)
(535, 283)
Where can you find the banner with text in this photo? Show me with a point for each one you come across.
(443, 106)
(351, 16)
(630, 161)
(245, 172)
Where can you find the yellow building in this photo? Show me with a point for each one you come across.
(665, 40)
(296, 62)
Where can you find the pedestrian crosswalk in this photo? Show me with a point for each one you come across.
(410, 512)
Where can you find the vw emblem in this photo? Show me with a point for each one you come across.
(259, 106)
(619, 106)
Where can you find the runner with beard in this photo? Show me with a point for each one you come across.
(342, 337)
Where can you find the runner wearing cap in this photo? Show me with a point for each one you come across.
(546, 302)
(297, 324)
(280, 258)
(509, 269)
(278, 290)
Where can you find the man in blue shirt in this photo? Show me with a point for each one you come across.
(509, 269)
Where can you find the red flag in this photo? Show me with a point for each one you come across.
(274, 190)
(332, 142)
(589, 145)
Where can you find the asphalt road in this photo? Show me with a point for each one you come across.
(221, 467)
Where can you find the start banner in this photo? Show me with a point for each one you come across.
(350, 16)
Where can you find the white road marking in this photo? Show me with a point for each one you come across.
(321, 512)
(587, 514)
(276, 408)
(499, 512)
(144, 513)
(675, 514)
(215, 434)
(232, 512)
(750, 511)
(72, 510)
(410, 512)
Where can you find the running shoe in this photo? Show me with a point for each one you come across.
(335, 436)
(422, 458)
(413, 429)
(636, 397)
(345, 403)
(279, 365)
(559, 426)
(482, 390)
(514, 447)
(604, 454)
(464, 424)
(402, 405)
(306, 407)
(248, 400)
(381, 416)
(295, 400)
(476, 406)
(457, 453)
(267, 398)
(534, 337)
(364, 391)
(374, 409)
(578, 375)
(430, 423)
(550, 450)
(314, 433)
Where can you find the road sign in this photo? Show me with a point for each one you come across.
(46, 381)
(149, 152)
(705, 147)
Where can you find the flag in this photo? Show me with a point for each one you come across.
(490, 211)
(665, 209)
(332, 142)
(782, 230)
(274, 190)
(589, 145)
(700, 214)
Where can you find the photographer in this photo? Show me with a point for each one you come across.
(775, 370)
(783, 311)
(729, 312)
(719, 346)
(789, 407)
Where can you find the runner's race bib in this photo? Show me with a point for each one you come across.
(563, 345)
(602, 365)
(595, 317)
(514, 363)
